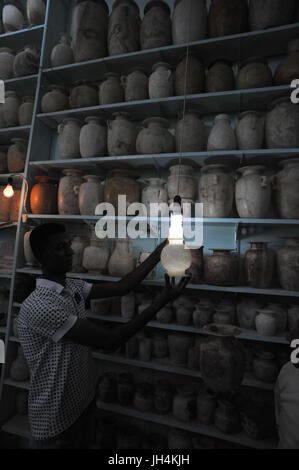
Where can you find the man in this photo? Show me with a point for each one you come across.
(57, 339)
(287, 398)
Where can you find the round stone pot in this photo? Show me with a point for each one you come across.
(253, 193)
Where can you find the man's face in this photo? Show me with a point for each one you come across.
(58, 256)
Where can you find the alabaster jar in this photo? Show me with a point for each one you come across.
(122, 135)
(26, 111)
(28, 253)
(56, 99)
(216, 190)
(220, 77)
(84, 94)
(222, 359)
(165, 315)
(288, 265)
(265, 14)
(16, 156)
(189, 21)
(122, 261)
(221, 268)
(184, 404)
(259, 266)
(27, 62)
(96, 256)
(155, 137)
(7, 57)
(135, 85)
(36, 11)
(155, 193)
(79, 244)
(161, 81)
(250, 130)
(265, 367)
(206, 406)
(11, 109)
(111, 90)
(69, 139)
(190, 134)
(124, 27)
(266, 323)
(181, 181)
(91, 194)
(189, 76)
(68, 192)
(13, 16)
(247, 310)
(253, 193)
(93, 138)
(176, 259)
(62, 53)
(228, 17)
(155, 29)
(282, 124)
(43, 196)
(254, 73)
(280, 314)
(286, 189)
(202, 315)
(89, 29)
(288, 69)
(222, 135)
(122, 183)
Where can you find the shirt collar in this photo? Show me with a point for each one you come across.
(46, 283)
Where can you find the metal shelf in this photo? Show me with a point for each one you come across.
(164, 365)
(16, 39)
(4, 226)
(13, 383)
(4, 275)
(18, 426)
(158, 161)
(9, 133)
(234, 101)
(271, 42)
(159, 282)
(249, 335)
(193, 427)
(22, 85)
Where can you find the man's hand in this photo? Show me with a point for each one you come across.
(172, 291)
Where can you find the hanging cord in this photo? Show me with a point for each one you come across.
(184, 105)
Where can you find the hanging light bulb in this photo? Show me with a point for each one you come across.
(9, 191)
(175, 257)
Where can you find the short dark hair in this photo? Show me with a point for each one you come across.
(41, 235)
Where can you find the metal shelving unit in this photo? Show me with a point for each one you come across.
(42, 157)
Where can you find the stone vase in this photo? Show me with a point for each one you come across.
(56, 99)
(288, 265)
(121, 135)
(84, 95)
(36, 12)
(216, 190)
(228, 17)
(190, 135)
(13, 16)
(250, 130)
(124, 28)
(221, 268)
(286, 189)
(181, 181)
(220, 77)
(62, 53)
(7, 57)
(43, 196)
(122, 182)
(282, 123)
(254, 73)
(259, 266)
(11, 109)
(27, 62)
(155, 193)
(16, 156)
(96, 256)
(91, 195)
(265, 14)
(68, 192)
(69, 139)
(93, 138)
(189, 21)
(122, 261)
(135, 85)
(253, 193)
(111, 90)
(26, 111)
(247, 310)
(89, 29)
(156, 26)
(155, 137)
(161, 81)
(265, 322)
(222, 136)
(189, 76)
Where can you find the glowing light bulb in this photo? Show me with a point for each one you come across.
(175, 257)
(8, 192)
